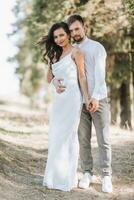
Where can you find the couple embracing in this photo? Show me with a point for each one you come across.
(77, 72)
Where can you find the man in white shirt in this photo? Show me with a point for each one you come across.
(95, 58)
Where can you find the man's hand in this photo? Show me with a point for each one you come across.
(93, 105)
(58, 85)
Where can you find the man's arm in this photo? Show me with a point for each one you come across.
(100, 61)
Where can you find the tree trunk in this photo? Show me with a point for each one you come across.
(132, 70)
(125, 105)
(132, 66)
(114, 96)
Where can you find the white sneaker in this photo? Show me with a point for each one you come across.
(107, 184)
(85, 181)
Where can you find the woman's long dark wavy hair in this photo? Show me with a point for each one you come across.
(53, 51)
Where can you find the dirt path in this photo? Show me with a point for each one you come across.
(23, 153)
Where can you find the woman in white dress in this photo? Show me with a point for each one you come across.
(67, 64)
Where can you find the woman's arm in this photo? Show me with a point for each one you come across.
(50, 75)
(79, 60)
(55, 82)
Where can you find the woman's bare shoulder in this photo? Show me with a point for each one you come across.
(76, 52)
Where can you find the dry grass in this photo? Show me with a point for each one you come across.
(23, 154)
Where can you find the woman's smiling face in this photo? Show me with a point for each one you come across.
(61, 38)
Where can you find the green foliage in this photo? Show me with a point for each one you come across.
(121, 71)
(109, 22)
(130, 9)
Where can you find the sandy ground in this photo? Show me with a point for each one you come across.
(23, 154)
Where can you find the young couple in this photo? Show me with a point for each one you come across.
(77, 73)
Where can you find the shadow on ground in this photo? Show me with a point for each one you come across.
(22, 169)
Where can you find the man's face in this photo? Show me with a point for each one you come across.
(77, 31)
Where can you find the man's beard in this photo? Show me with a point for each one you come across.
(78, 40)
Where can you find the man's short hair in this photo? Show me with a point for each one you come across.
(74, 18)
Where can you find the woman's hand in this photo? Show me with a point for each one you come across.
(58, 85)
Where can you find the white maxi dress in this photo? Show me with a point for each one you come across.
(63, 146)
